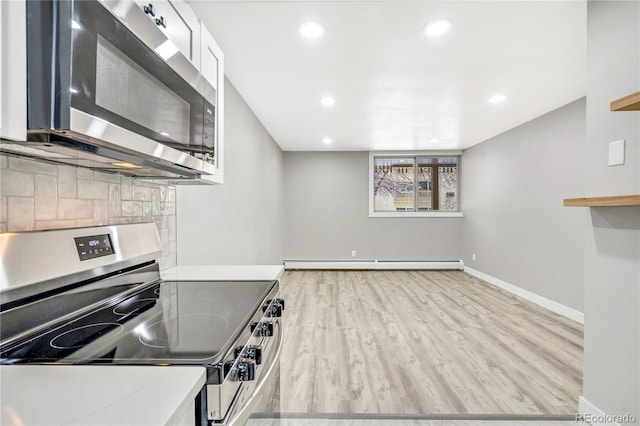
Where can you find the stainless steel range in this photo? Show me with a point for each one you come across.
(94, 296)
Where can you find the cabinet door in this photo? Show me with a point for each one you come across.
(13, 70)
(212, 69)
(179, 23)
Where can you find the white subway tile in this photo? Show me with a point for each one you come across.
(119, 220)
(137, 208)
(32, 166)
(101, 212)
(171, 227)
(3, 209)
(156, 199)
(131, 208)
(56, 224)
(158, 221)
(164, 238)
(141, 193)
(83, 173)
(93, 190)
(115, 200)
(168, 209)
(20, 214)
(127, 188)
(46, 198)
(147, 211)
(171, 194)
(107, 177)
(72, 208)
(4, 161)
(16, 183)
(67, 187)
(85, 222)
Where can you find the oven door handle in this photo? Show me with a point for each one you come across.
(275, 359)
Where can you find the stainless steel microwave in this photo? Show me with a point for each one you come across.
(106, 89)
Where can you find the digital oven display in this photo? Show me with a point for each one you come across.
(94, 246)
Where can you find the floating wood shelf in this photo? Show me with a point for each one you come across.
(618, 200)
(628, 103)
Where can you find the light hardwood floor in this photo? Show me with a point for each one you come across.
(409, 342)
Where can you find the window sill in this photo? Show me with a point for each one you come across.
(416, 214)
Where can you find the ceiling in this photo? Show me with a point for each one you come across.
(394, 88)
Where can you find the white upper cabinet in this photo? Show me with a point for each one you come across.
(212, 68)
(13, 70)
(179, 23)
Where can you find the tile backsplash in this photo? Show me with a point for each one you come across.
(37, 195)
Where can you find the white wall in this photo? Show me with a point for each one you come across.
(327, 215)
(239, 222)
(512, 190)
(612, 234)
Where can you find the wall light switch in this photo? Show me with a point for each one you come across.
(616, 153)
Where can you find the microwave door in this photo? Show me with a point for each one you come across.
(109, 86)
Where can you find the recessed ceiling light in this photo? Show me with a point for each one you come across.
(327, 141)
(165, 133)
(435, 140)
(437, 28)
(496, 99)
(75, 25)
(327, 101)
(311, 30)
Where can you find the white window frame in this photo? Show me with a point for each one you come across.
(373, 154)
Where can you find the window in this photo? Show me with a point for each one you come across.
(414, 185)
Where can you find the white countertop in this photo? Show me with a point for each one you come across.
(224, 272)
(97, 395)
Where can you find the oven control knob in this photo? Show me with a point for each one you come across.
(274, 310)
(254, 352)
(277, 301)
(237, 351)
(246, 369)
(227, 366)
(262, 329)
(280, 302)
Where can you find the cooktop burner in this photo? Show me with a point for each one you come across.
(76, 337)
(156, 335)
(179, 322)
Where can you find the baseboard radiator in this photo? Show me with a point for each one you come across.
(373, 264)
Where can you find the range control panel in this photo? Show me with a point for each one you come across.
(94, 246)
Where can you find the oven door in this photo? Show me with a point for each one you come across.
(114, 76)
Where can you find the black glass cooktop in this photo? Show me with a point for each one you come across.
(175, 322)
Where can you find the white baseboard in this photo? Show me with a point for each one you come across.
(586, 407)
(556, 307)
(370, 264)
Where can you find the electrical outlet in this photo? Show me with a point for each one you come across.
(473, 257)
(353, 253)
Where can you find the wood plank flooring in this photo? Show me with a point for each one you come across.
(411, 342)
